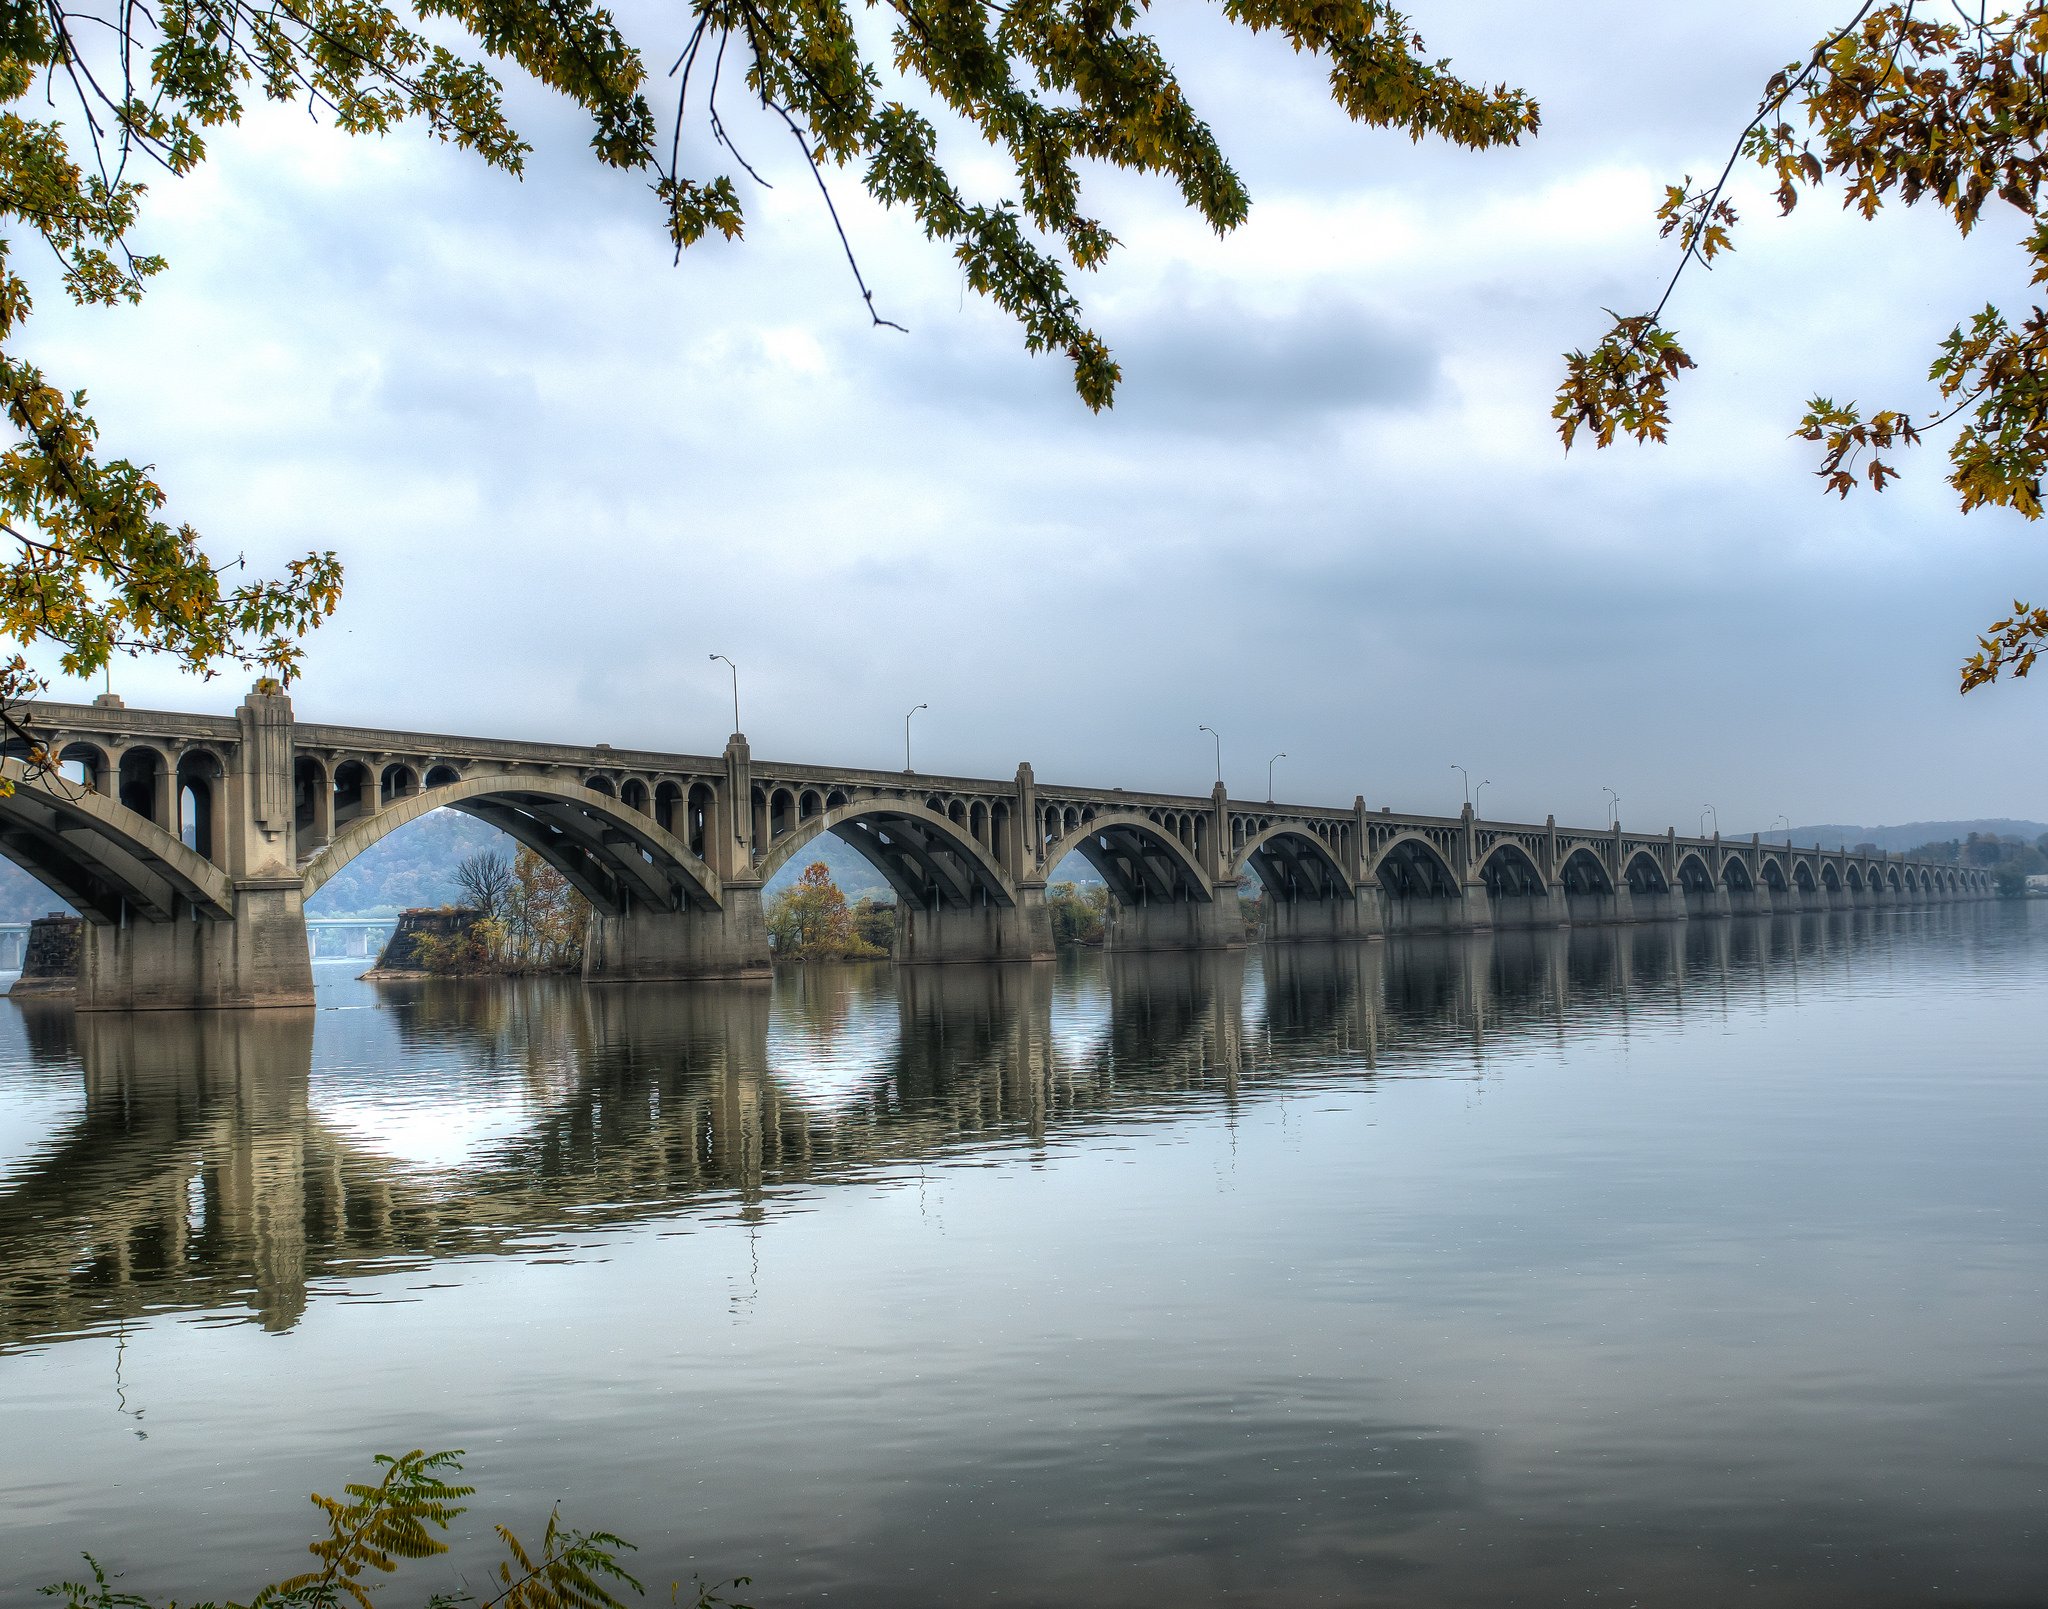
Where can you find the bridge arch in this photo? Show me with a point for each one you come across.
(617, 858)
(1770, 872)
(1803, 878)
(1830, 877)
(104, 860)
(1411, 867)
(1509, 870)
(1693, 875)
(1583, 873)
(1644, 875)
(928, 859)
(1293, 863)
(1141, 860)
(1735, 874)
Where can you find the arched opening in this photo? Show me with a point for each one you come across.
(442, 776)
(142, 775)
(354, 792)
(668, 798)
(633, 795)
(1693, 876)
(312, 803)
(199, 776)
(601, 785)
(1411, 870)
(1509, 873)
(697, 818)
(999, 832)
(977, 823)
(1644, 876)
(1803, 879)
(400, 781)
(809, 804)
(1582, 875)
(1772, 875)
(781, 813)
(84, 765)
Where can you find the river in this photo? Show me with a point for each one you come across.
(1656, 1265)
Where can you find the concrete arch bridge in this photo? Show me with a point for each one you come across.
(190, 844)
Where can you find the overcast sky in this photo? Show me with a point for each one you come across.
(1329, 515)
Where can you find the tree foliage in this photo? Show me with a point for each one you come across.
(373, 1530)
(1080, 915)
(811, 921)
(1047, 84)
(1912, 104)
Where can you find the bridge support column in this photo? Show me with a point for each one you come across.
(1321, 920)
(1212, 924)
(261, 958)
(668, 946)
(1019, 932)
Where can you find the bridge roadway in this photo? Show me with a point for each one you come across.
(672, 850)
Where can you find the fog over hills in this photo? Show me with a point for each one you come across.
(1908, 835)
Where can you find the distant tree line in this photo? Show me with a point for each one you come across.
(2010, 860)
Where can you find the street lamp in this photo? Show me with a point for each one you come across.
(1218, 736)
(1706, 811)
(729, 665)
(1478, 795)
(906, 736)
(1613, 807)
(1269, 776)
(1467, 775)
(1784, 819)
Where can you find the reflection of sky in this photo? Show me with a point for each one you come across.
(833, 1032)
(425, 1130)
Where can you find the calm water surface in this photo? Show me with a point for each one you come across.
(1659, 1265)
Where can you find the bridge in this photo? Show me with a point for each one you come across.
(190, 844)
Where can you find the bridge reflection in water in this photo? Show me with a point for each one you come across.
(244, 1164)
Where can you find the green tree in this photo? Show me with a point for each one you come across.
(1047, 85)
(544, 917)
(1079, 915)
(1916, 105)
(874, 924)
(811, 921)
(375, 1530)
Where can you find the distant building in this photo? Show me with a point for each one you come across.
(2037, 886)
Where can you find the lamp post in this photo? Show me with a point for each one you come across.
(1706, 811)
(1613, 807)
(906, 736)
(729, 665)
(1467, 775)
(1269, 776)
(1218, 736)
(1479, 795)
(1778, 819)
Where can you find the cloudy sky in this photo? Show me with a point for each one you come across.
(1327, 517)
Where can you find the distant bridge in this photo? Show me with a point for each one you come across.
(190, 844)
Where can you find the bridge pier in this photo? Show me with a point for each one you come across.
(260, 958)
(646, 946)
(1335, 917)
(1184, 924)
(928, 936)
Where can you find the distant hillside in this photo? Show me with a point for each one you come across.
(1909, 836)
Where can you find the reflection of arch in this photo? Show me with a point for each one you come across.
(1294, 864)
(1412, 868)
(1139, 859)
(617, 858)
(1508, 870)
(101, 858)
(1582, 873)
(928, 861)
(1643, 875)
